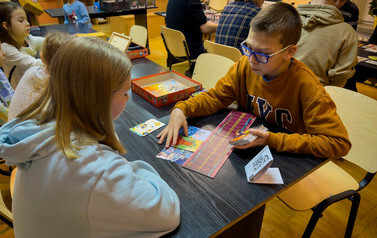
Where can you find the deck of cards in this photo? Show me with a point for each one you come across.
(246, 137)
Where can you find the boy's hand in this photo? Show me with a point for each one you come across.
(176, 121)
(259, 141)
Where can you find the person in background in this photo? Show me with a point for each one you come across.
(76, 12)
(328, 45)
(21, 48)
(188, 17)
(6, 92)
(234, 23)
(72, 179)
(350, 12)
(33, 81)
(274, 86)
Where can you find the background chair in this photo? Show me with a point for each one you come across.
(217, 5)
(5, 214)
(176, 46)
(209, 68)
(330, 183)
(224, 50)
(139, 35)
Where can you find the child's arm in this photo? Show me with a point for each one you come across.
(66, 21)
(131, 198)
(84, 14)
(36, 42)
(14, 57)
(344, 67)
(3, 114)
(325, 137)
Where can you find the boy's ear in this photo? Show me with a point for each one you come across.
(290, 52)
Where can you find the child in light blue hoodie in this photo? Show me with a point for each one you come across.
(72, 180)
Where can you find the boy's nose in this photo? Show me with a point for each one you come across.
(253, 60)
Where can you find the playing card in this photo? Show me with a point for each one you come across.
(147, 127)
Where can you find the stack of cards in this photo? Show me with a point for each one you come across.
(246, 137)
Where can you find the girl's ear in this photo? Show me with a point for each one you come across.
(291, 52)
(42, 58)
(4, 25)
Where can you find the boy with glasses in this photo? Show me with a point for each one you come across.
(271, 84)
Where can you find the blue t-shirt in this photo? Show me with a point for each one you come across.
(76, 13)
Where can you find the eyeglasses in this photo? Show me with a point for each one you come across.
(262, 58)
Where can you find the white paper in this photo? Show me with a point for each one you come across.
(259, 164)
(272, 176)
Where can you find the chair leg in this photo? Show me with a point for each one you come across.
(6, 221)
(352, 217)
(317, 213)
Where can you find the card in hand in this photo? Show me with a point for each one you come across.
(246, 137)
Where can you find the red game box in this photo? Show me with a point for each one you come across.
(136, 51)
(165, 88)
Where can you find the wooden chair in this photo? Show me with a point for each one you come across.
(5, 214)
(176, 45)
(139, 35)
(217, 5)
(209, 68)
(330, 183)
(224, 50)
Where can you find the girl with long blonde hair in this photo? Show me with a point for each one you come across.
(71, 179)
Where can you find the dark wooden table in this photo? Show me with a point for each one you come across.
(227, 205)
(70, 28)
(94, 12)
(363, 53)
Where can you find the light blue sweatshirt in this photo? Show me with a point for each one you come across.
(76, 13)
(100, 194)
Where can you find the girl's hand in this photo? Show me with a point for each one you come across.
(176, 121)
(259, 141)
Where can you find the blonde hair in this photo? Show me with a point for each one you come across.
(84, 74)
(53, 42)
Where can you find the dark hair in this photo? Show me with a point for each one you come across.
(6, 9)
(279, 18)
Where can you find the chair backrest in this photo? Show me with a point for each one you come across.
(359, 114)
(4, 212)
(209, 68)
(120, 41)
(139, 35)
(175, 41)
(224, 50)
(217, 5)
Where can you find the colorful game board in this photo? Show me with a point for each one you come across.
(213, 152)
(164, 87)
(175, 155)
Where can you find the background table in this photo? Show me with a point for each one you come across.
(139, 14)
(70, 28)
(208, 205)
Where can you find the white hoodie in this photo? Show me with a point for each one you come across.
(100, 194)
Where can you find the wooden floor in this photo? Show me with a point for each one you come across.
(279, 220)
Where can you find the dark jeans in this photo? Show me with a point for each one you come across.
(362, 74)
